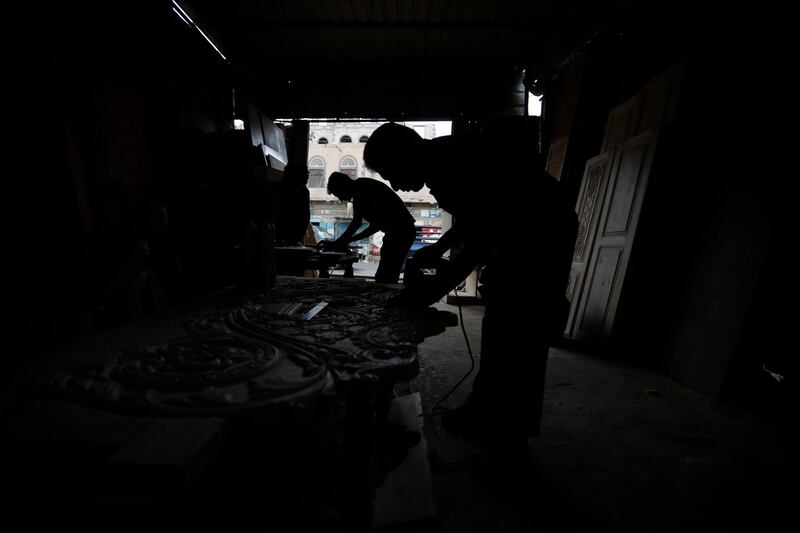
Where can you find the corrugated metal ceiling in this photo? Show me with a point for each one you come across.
(412, 58)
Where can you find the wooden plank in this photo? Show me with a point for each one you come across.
(407, 494)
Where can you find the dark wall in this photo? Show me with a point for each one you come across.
(629, 48)
(763, 371)
(78, 141)
(711, 210)
(698, 262)
(106, 105)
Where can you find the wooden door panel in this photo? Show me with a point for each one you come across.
(599, 291)
(604, 244)
(555, 158)
(612, 247)
(660, 100)
(588, 206)
(621, 124)
(625, 187)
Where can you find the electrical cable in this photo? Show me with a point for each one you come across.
(433, 410)
(437, 461)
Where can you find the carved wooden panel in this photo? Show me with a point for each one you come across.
(618, 221)
(589, 204)
(255, 352)
(631, 132)
(205, 375)
(592, 190)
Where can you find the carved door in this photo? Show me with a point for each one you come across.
(609, 202)
(618, 219)
(621, 124)
(590, 201)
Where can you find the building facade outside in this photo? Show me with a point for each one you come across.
(339, 146)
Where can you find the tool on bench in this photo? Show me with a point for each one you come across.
(311, 313)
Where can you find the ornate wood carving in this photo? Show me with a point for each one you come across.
(255, 352)
(594, 179)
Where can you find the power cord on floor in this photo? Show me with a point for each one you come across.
(438, 462)
(433, 410)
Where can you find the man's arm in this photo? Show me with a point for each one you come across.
(369, 230)
(429, 289)
(346, 237)
(429, 256)
(449, 238)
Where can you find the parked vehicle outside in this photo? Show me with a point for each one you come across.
(425, 235)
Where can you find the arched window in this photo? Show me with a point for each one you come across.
(364, 138)
(322, 140)
(316, 172)
(349, 166)
(345, 139)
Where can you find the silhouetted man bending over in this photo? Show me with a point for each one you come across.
(384, 211)
(525, 297)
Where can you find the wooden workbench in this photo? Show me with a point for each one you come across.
(201, 397)
(294, 260)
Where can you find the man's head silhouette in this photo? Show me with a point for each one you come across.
(394, 152)
(341, 186)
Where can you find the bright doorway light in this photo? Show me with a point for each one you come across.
(534, 105)
(442, 127)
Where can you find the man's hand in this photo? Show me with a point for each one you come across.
(425, 293)
(327, 244)
(408, 298)
(428, 256)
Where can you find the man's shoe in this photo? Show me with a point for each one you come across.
(467, 421)
(505, 470)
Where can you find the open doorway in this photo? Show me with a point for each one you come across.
(338, 146)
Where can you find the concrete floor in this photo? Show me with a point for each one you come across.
(622, 448)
